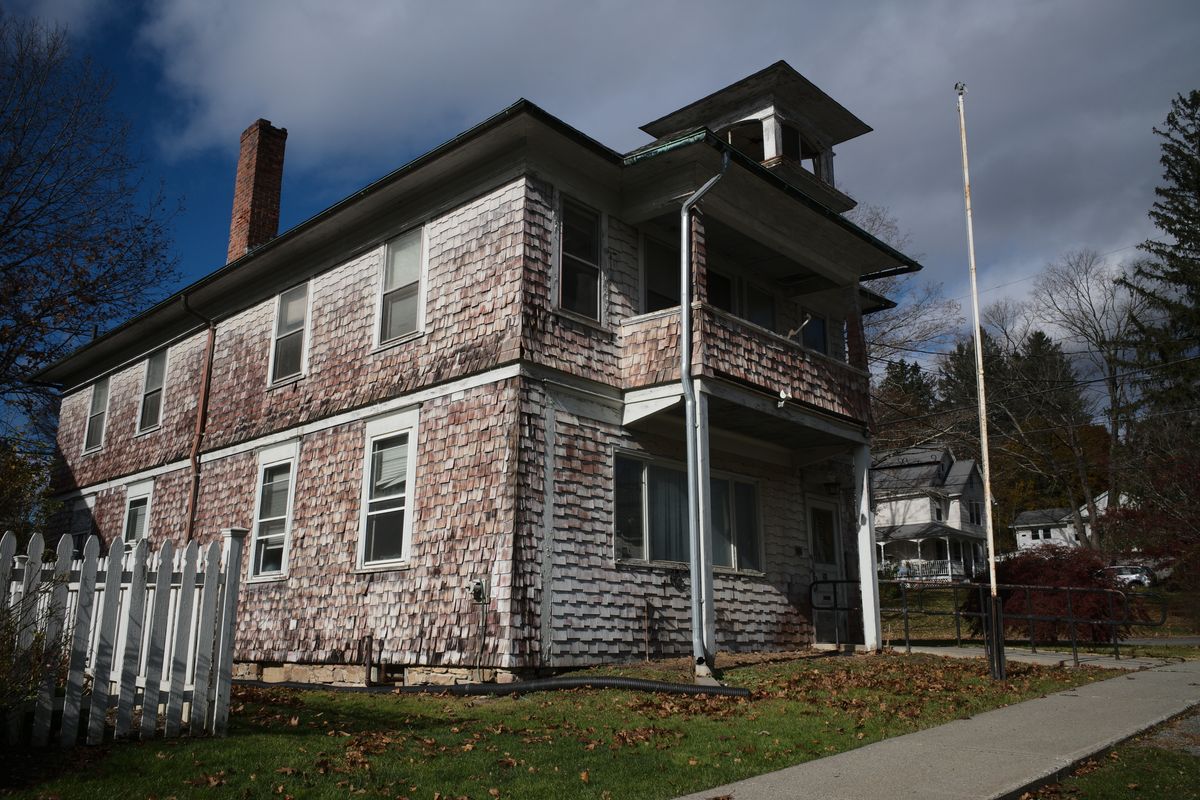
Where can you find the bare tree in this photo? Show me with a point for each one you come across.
(923, 319)
(78, 248)
(1082, 298)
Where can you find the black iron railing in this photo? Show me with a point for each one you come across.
(1110, 610)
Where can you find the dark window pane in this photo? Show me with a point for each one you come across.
(760, 307)
(662, 276)
(666, 501)
(745, 508)
(289, 352)
(135, 521)
(399, 312)
(814, 335)
(581, 233)
(722, 533)
(628, 480)
(99, 396)
(385, 536)
(269, 557)
(580, 288)
(823, 536)
(720, 291)
(151, 406)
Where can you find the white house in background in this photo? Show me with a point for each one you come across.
(928, 513)
(1044, 526)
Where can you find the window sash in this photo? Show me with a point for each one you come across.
(579, 268)
(93, 436)
(136, 518)
(291, 321)
(272, 520)
(152, 390)
(384, 536)
(400, 284)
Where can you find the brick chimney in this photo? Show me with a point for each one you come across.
(255, 217)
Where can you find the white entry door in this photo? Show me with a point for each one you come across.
(826, 541)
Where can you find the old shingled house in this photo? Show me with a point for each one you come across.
(449, 408)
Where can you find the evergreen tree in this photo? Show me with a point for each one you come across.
(1169, 281)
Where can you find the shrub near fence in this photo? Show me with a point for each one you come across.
(129, 644)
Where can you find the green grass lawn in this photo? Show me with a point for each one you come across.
(575, 744)
(1163, 763)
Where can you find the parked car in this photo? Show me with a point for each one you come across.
(1130, 575)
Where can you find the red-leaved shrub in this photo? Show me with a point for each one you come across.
(1047, 570)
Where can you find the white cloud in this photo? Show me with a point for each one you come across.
(1062, 94)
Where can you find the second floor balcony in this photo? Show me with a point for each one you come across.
(730, 348)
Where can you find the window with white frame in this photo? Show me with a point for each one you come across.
(400, 292)
(93, 436)
(579, 266)
(651, 515)
(387, 490)
(291, 316)
(152, 391)
(83, 522)
(137, 511)
(273, 515)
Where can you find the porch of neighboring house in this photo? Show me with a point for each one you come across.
(929, 551)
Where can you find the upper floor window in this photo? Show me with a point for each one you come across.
(742, 298)
(399, 308)
(273, 517)
(579, 269)
(291, 317)
(660, 267)
(975, 510)
(937, 510)
(152, 391)
(652, 520)
(93, 436)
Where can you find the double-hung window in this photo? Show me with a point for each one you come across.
(975, 509)
(387, 490)
(291, 317)
(652, 516)
(83, 523)
(152, 392)
(400, 301)
(93, 437)
(579, 270)
(137, 511)
(273, 516)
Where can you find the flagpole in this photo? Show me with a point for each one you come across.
(996, 626)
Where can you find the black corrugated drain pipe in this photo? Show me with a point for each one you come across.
(523, 687)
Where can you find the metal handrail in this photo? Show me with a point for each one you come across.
(1115, 599)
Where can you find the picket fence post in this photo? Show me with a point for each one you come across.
(94, 607)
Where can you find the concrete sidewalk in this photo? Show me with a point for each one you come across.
(998, 754)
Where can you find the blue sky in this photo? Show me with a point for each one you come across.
(1062, 96)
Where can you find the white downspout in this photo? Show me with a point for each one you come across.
(695, 425)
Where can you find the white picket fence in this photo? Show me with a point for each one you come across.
(148, 637)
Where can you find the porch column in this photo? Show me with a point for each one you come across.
(949, 561)
(867, 575)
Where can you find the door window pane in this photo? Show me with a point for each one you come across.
(745, 508)
(814, 335)
(760, 307)
(662, 275)
(720, 291)
(823, 536)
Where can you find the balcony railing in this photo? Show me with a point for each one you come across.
(725, 346)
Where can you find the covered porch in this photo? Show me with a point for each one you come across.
(930, 551)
